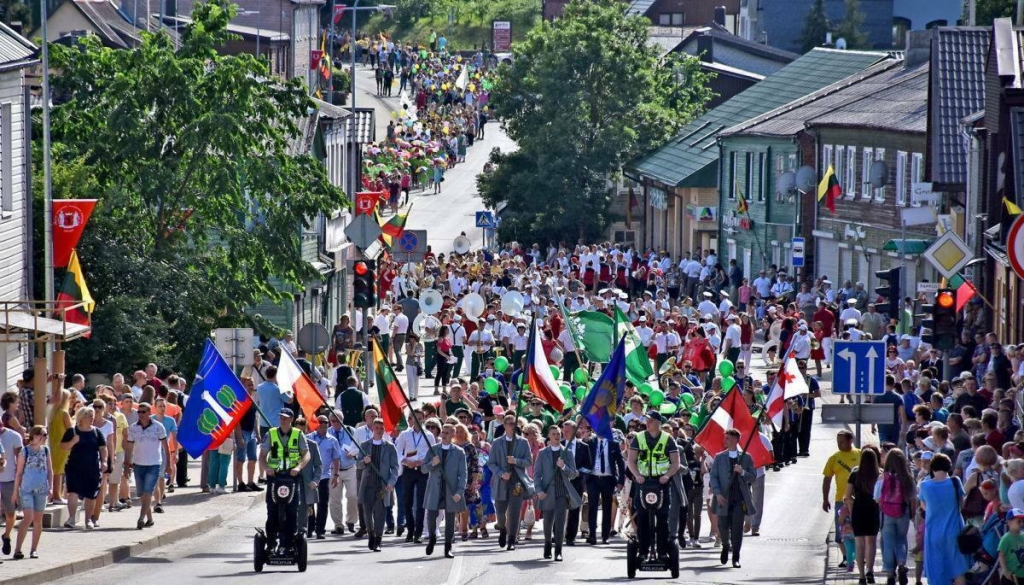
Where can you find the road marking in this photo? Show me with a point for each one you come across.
(455, 575)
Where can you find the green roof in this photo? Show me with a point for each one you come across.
(690, 159)
(913, 247)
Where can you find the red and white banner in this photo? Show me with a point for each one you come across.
(69, 219)
(366, 201)
(339, 11)
(314, 58)
(732, 413)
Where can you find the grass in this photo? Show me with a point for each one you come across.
(468, 33)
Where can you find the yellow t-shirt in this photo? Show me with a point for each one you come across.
(120, 424)
(839, 466)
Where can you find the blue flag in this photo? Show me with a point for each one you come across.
(605, 398)
(215, 405)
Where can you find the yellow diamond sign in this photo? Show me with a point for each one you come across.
(948, 254)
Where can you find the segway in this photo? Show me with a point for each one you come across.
(650, 498)
(286, 493)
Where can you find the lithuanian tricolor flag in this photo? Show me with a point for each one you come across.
(829, 189)
(389, 391)
(73, 292)
(741, 203)
(393, 227)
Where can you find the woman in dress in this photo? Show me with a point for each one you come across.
(413, 364)
(31, 484)
(531, 432)
(555, 469)
(483, 511)
(860, 499)
(940, 498)
(444, 359)
(472, 494)
(87, 457)
(60, 422)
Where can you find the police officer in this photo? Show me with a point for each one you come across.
(284, 451)
(655, 455)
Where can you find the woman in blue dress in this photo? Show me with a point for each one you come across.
(940, 498)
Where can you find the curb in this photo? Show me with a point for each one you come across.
(119, 553)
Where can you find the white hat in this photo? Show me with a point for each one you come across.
(648, 293)
(723, 293)
(826, 281)
(707, 294)
(602, 291)
(385, 307)
(457, 318)
(643, 319)
(732, 317)
(851, 321)
(803, 326)
(708, 316)
(851, 301)
(623, 295)
(772, 309)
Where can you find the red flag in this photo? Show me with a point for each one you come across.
(69, 219)
(964, 293)
(538, 373)
(733, 413)
(339, 11)
(314, 58)
(290, 376)
(788, 383)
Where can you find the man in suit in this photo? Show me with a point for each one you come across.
(609, 475)
(580, 451)
(732, 474)
(446, 488)
(377, 487)
(510, 456)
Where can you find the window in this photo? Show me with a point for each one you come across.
(880, 192)
(6, 161)
(748, 175)
(916, 171)
(867, 157)
(734, 177)
(826, 158)
(677, 19)
(839, 164)
(850, 179)
(665, 19)
(901, 178)
(762, 166)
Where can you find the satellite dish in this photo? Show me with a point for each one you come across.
(431, 301)
(840, 43)
(473, 305)
(512, 302)
(785, 183)
(313, 338)
(805, 178)
(461, 245)
(878, 175)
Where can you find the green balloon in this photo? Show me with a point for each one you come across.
(554, 372)
(695, 420)
(657, 398)
(491, 386)
(580, 376)
(728, 383)
(581, 391)
(668, 408)
(687, 399)
(726, 368)
(501, 363)
(645, 389)
(566, 391)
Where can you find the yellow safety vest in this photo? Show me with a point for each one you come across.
(653, 462)
(292, 456)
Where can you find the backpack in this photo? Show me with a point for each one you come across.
(892, 501)
(351, 407)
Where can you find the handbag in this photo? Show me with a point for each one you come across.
(968, 541)
(530, 518)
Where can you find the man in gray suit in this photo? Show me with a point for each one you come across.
(446, 488)
(509, 458)
(377, 488)
(732, 474)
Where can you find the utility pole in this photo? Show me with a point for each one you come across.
(47, 178)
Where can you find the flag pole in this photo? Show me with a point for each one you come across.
(415, 418)
(341, 418)
(565, 315)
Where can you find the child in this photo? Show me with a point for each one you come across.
(32, 482)
(846, 537)
(1011, 548)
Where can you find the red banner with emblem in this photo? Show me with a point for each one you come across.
(69, 219)
(339, 11)
(366, 202)
(314, 58)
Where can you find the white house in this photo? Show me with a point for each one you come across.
(17, 54)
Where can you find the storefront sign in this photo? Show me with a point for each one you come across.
(501, 36)
(734, 221)
(702, 213)
(658, 198)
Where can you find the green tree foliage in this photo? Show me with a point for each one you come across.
(816, 25)
(852, 27)
(583, 96)
(202, 195)
(989, 10)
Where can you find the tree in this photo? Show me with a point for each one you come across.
(583, 96)
(988, 10)
(816, 26)
(202, 196)
(851, 28)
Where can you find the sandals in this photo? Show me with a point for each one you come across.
(18, 555)
(483, 532)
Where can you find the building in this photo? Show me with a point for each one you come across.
(680, 195)
(713, 43)
(688, 12)
(780, 23)
(912, 15)
(102, 18)
(17, 54)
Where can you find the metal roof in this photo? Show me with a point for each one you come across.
(957, 90)
(689, 159)
(722, 34)
(111, 25)
(330, 111)
(640, 7)
(14, 48)
(896, 100)
(366, 125)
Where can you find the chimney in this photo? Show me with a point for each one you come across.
(919, 48)
(706, 47)
(720, 15)
(18, 27)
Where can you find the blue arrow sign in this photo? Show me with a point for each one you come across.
(485, 219)
(859, 367)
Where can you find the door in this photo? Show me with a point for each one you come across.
(827, 260)
(746, 263)
(845, 266)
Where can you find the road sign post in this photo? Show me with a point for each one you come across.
(234, 345)
(363, 231)
(411, 245)
(798, 252)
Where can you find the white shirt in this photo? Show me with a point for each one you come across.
(645, 334)
(849, 313)
(724, 307)
(382, 323)
(412, 445)
(365, 433)
(400, 324)
(706, 307)
(458, 334)
(763, 286)
(1016, 494)
(520, 342)
(732, 335)
(565, 338)
(148, 449)
(431, 328)
(673, 341)
(801, 346)
(661, 342)
(485, 341)
(693, 269)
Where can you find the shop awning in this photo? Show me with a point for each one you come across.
(28, 325)
(907, 246)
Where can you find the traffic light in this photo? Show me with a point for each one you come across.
(364, 284)
(944, 332)
(927, 316)
(891, 291)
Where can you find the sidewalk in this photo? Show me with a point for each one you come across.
(63, 552)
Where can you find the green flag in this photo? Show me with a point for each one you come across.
(638, 365)
(592, 332)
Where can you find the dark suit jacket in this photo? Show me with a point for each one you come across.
(615, 460)
(584, 461)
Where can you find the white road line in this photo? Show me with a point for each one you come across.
(455, 575)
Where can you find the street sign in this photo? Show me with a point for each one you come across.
(923, 193)
(411, 246)
(235, 345)
(859, 367)
(408, 242)
(869, 414)
(928, 288)
(798, 252)
(362, 231)
(313, 338)
(485, 219)
(501, 36)
(1015, 246)
(949, 254)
